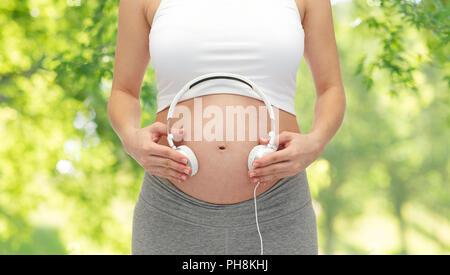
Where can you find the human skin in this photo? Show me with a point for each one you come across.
(223, 176)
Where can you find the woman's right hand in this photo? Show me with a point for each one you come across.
(157, 159)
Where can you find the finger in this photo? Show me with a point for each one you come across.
(157, 130)
(263, 140)
(277, 156)
(169, 163)
(175, 179)
(178, 134)
(172, 179)
(167, 172)
(283, 138)
(269, 178)
(279, 167)
(167, 152)
(264, 179)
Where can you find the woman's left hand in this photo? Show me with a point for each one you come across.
(295, 153)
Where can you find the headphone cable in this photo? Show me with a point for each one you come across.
(256, 217)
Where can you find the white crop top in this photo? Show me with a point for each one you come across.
(260, 39)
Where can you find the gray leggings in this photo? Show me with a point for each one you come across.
(169, 221)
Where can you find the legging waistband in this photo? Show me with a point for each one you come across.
(287, 196)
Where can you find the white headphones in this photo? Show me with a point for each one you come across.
(257, 151)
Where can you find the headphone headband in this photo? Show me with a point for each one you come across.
(222, 75)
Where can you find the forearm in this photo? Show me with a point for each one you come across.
(124, 112)
(328, 114)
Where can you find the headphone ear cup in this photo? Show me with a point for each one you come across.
(193, 163)
(258, 152)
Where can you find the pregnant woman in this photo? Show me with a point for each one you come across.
(213, 210)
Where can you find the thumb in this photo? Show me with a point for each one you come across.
(178, 134)
(157, 130)
(283, 138)
(263, 140)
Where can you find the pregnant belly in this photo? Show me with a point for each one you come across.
(221, 130)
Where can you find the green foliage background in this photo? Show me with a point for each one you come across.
(381, 186)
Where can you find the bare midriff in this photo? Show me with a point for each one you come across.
(222, 176)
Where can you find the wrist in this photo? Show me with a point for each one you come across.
(319, 138)
(128, 134)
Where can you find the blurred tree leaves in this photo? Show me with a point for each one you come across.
(66, 185)
(390, 22)
(388, 164)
